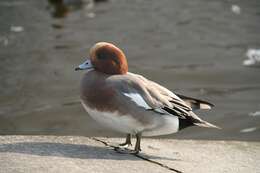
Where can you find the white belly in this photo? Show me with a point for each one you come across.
(112, 120)
(160, 124)
(164, 124)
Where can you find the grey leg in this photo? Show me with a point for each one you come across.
(138, 143)
(127, 142)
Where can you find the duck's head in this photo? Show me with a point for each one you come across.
(106, 58)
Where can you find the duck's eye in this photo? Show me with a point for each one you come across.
(86, 63)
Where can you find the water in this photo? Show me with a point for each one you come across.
(195, 48)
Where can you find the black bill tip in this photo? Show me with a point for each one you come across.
(77, 68)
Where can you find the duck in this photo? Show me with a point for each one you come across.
(130, 103)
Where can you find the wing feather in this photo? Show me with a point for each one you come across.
(161, 100)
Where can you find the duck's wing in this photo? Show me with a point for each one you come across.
(195, 103)
(152, 96)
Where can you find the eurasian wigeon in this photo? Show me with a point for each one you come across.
(131, 104)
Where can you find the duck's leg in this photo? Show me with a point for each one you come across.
(138, 143)
(127, 142)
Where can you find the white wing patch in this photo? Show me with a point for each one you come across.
(138, 99)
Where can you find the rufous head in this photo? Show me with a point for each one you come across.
(107, 58)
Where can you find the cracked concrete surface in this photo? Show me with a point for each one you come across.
(81, 154)
(138, 156)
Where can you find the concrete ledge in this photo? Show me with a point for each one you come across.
(41, 154)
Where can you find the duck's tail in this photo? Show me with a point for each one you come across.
(206, 124)
(197, 121)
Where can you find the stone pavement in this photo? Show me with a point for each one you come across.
(59, 154)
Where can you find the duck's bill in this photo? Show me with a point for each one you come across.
(87, 65)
